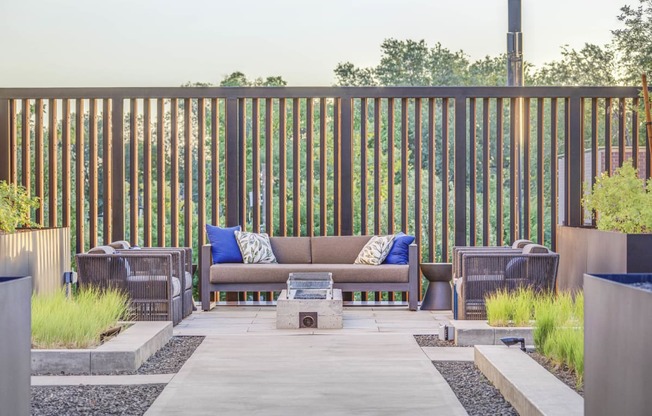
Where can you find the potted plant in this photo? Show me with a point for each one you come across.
(620, 243)
(25, 248)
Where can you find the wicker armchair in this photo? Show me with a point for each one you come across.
(485, 272)
(186, 268)
(147, 277)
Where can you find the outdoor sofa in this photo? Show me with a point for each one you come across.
(334, 254)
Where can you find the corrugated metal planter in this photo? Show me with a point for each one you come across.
(43, 254)
(617, 340)
(587, 250)
(15, 343)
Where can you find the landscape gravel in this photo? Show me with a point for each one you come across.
(432, 340)
(94, 400)
(478, 396)
(562, 372)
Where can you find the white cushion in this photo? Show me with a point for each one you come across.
(255, 248)
(376, 250)
(187, 280)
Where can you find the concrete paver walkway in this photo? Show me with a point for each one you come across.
(246, 366)
(284, 373)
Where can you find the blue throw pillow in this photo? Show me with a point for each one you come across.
(224, 248)
(399, 253)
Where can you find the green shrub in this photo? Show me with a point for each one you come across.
(15, 207)
(510, 308)
(497, 305)
(522, 307)
(59, 322)
(621, 201)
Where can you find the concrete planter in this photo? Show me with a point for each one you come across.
(43, 254)
(617, 339)
(15, 342)
(587, 250)
(469, 333)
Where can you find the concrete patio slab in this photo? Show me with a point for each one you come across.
(329, 374)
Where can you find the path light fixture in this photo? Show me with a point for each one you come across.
(509, 341)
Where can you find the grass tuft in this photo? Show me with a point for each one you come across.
(59, 322)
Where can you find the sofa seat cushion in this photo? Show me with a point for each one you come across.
(278, 273)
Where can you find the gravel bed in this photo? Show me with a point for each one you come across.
(167, 360)
(432, 340)
(478, 396)
(94, 400)
(562, 372)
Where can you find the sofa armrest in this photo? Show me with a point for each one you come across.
(413, 276)
(204, 274)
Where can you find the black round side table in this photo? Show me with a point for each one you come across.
(439, 294)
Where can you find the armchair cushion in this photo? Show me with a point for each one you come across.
(375, 251)
(224, 247)
(398, 254)
(255, 248)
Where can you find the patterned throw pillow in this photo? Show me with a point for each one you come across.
(375, 251)
(255, 248)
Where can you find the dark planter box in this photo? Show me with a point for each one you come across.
(15, 344)
(43, 254)
(587, 250)
(617, 340)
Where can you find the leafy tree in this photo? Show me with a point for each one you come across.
(591, 65)
(633, 41)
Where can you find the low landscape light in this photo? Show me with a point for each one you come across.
(513, 341)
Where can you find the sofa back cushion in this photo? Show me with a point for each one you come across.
(291, 250)
(337, 249)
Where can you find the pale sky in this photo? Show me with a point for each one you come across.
(85, 43)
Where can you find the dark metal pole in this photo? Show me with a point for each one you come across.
(515, 79)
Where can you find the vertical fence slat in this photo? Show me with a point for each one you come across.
(53, 164)
(310, 214)
(445, 175)
(607, 135)
(80, 206)
(432, 166)
(322, 166)
(486, 150)
(514, 124)
(269, 168)
(187, 172)
(576, 161)
(363, 166)
(38, 163)
(499, 173)
(13, 143)
(5, 141)
(460, 171)
(346, 169)
(117, 228)
(107, 167)
(540, 174)
(622, 108)
(160, 172)
(255, 160)
(473, 133)
(215, 162)
(337, 168)
(282, 167)
(404, 164)
(147, 172)
(201, 171)
(26, 138)
(296, 168)
(525, 203)
(377, 153)
(390, 166)
(635, 132)
(92, 172)
(65, 163)
(174, 172)
(594, 145)
(553, 172)
(133, 172)
(231, 162)
(242, 162)
(417, 181)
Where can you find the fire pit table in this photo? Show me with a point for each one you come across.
(309, 302)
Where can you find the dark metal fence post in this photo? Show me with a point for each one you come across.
(232, 182)
(5, 147)
(118, 171)
(346, 172)
(575, 162)
(460, 170)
